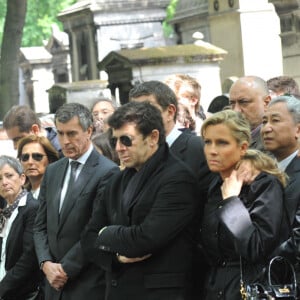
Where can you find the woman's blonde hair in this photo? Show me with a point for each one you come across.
(235, 121)
(264, 163)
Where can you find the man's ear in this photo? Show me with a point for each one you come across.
(35, 129)
(154, 137)
(171, 109)
(90, 131)
(267, 100)
(297, 133)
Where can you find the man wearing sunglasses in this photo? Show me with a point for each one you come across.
(187, 147)
(142, 230)
(67, 195)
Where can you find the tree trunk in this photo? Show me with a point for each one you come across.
(9, 61)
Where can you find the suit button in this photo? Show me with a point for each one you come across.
(224, 264)
(104, 248)
(114, 282)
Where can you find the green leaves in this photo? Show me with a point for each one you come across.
(171, 10)
(41, 14)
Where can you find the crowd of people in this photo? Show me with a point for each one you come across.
(153, 199)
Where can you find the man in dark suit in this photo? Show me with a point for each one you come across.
(187, 147)
(280, 134)
(143, 228)
(66, 202)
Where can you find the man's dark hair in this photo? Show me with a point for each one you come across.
(70, 110)
(145, 115)
(283, 84)
(163, 94)
(21, 116)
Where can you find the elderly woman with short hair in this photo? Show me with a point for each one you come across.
(19, 270)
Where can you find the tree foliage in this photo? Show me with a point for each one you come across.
(39, 17)
(171, 10)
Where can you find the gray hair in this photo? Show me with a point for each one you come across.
(292, 104)
(12, 162)
(70, 110)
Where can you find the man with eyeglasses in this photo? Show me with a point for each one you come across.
(67, 195)
(143, 228)
(250, 96)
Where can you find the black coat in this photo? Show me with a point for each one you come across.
(57, 236)
(292, 204)
(22, 267)
(247, 226)
(159, 222)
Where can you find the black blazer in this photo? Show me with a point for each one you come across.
(292, 204)
(160, 222)
(189, 148)
(57, 236)
(21, 264)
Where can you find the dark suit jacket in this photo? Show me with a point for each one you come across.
(189, 148)
(160, 222)
(21, 264)
(57, 236)
(292, 204)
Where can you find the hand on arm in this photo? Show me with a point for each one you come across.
(55, 274)
(247, 172)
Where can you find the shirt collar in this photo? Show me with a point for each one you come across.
(282, 165)
(22, 201)
(173, 135)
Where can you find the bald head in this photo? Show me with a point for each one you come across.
(249, 95)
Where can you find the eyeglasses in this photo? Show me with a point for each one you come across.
(36, 156)
(124, 140)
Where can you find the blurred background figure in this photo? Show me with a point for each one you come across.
(21, 121)
(19, 269)
(101, 110)
(188, 92)
(102, 142)
(184, 121)
(35, 154)
(282, 85)
(217, 104)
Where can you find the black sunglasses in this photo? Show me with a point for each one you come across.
(124, 140)
(35, 156)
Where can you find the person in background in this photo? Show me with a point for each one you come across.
(101, 110)
(282, 85)
(35, 153)
(19, 269)
(184, 121)
(69, 188)
(280, 134)
(142, 230)
(250, 96)
(188, 92)
(217, 104)
(102, 142)
(243, 217)
(21, 121)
